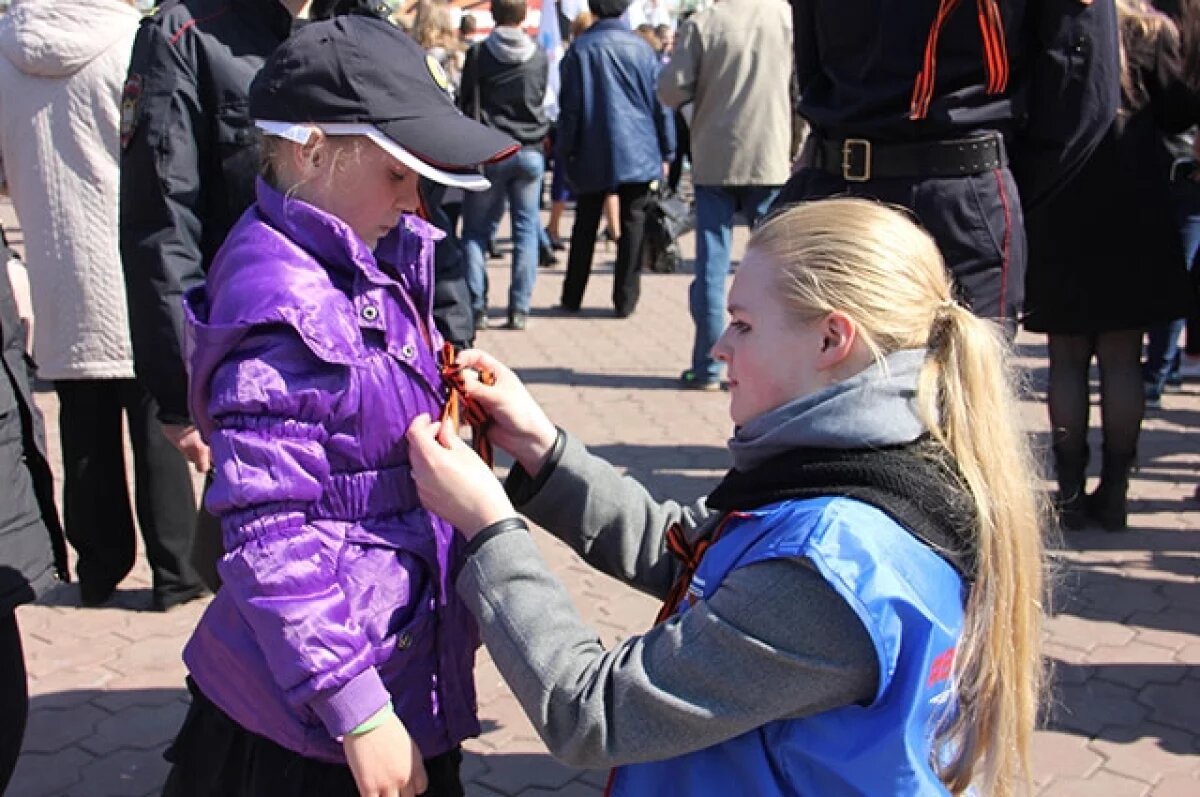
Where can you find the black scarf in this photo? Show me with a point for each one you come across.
(914, 483)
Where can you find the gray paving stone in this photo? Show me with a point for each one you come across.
(124, 773)
(52, 730)
(48, 775)
(137, 728)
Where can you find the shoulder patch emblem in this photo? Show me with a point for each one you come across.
(438, 74)
(131, 99)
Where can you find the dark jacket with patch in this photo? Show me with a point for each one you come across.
(32, 549)
(188, 162)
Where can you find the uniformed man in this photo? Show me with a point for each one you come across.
(925, 103)
(188, 162)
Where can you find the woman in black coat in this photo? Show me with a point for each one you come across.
(33, 552)
(1106, 262)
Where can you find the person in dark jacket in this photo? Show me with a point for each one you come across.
(614, 136)
(1168, 363)
(927, 110)
(1106, 262)
(504, 86)
(189, 155)
(33, 552)
(188, 162)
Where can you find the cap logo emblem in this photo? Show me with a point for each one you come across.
(438, 74)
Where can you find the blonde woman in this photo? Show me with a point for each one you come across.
(854, 610)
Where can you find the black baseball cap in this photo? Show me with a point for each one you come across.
(360, 75)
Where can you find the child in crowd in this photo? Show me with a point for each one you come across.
(335, 659)
(856, 608)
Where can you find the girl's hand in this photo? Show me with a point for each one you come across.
(452, 481)
(385, 761)
(519, 426)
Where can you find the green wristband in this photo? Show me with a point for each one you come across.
(374, 721)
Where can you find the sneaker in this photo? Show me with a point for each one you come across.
(481, 320)
(1151, 390)
(517, 321)
(689, 380)
(1153, 401)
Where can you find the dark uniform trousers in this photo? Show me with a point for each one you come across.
(96, 501)
(976, 221)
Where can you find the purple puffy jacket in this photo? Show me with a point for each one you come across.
(309, 358)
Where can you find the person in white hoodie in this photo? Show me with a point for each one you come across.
(62, 68)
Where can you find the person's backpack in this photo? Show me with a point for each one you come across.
(668, 216)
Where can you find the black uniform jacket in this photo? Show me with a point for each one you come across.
(189, 158)
(858, 62)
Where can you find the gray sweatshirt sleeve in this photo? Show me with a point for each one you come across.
(608, 519)
(774, 641)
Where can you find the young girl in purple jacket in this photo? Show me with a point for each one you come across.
(336, 659)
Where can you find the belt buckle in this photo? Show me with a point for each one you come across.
(848, 149)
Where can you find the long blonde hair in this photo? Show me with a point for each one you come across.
(873, 264)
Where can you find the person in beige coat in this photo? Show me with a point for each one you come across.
(62, 67)
(733, 62)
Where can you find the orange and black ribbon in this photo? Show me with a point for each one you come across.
(995, 54)
(460, 407)
(690, 554)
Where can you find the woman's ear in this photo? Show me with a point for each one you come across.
(838, 335)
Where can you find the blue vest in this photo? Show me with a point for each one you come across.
(911, 603)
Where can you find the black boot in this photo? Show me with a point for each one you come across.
(1107, 505)
(1070, 467)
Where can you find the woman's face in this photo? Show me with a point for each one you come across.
(362, 185)
(771, 356)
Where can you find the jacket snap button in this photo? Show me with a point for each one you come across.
(370, 312)
(408, 351)
(404, 642)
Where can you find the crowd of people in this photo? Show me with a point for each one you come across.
(257, 235)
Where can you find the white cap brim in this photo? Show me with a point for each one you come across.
(300, 133)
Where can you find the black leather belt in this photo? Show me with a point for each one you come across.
(857, 160)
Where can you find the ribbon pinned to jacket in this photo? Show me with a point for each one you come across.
(460, 407)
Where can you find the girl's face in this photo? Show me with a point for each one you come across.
(362, 185)
(771, 356)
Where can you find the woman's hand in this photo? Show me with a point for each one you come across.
(452, 481)
(385, 761)
(519, 426)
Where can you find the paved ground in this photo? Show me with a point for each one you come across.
(1125, 642)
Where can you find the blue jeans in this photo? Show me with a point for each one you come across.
(519, 180)
(715, 209)
(1162, 345)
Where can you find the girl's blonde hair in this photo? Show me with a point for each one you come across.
(873, 264)
(276, 152)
